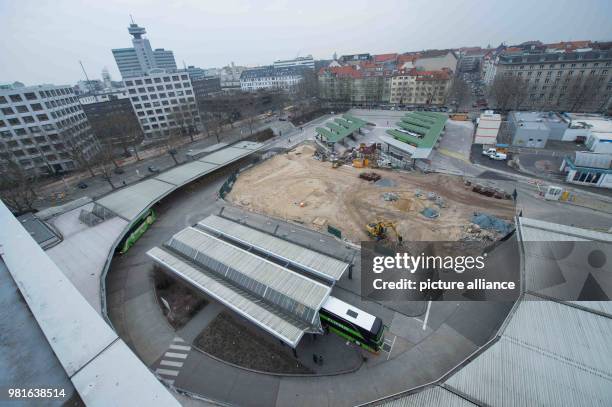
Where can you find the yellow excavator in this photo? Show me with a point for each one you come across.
(378, 230)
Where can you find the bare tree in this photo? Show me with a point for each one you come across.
(173, 140)
(184, 117)
(459, 91)
(583, 93)
(106, 162)
(509, 92)
(17, 185)
(126, 133)
(76, 150)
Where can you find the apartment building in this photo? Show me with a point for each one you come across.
(44, 129)
(420, 87)
(559, 78)
(354, 84)
(111, 116)
(163, 102)
(269, 77)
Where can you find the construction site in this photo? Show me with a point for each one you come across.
(343, 195)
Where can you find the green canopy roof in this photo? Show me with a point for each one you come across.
(425, 126)
(342, 128)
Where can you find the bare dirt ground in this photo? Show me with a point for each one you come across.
(296, 187)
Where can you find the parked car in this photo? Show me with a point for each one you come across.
(499, 157)
(153, 169)
(118, 170)
(82, 185)
(489, 152)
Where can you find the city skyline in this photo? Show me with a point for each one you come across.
(213, 35)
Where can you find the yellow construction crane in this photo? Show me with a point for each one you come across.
(378, 230)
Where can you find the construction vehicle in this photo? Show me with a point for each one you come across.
(378, 230)
(370, 176)
(361, 162)
(459, 117)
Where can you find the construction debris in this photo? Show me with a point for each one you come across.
(370, 176)
(390, 196)
(491, 222)
(430, 213)
(385, 182)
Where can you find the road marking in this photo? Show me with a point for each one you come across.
(175, 355)
(171, 363)
(167, 372)
(177, 339)
(391, 349)
(426, 315)
(168, 381)
(180, 347)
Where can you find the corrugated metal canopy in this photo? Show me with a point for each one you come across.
(186, 172)
(430, 397)
(294, 293)
(249, 306)
(226, 155)
(313, 262)
(129, 202)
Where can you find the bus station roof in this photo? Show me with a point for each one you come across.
(131, 201)
(343, 128)
(426, 128)
(313, 262)
(240, 301)
(281, 301)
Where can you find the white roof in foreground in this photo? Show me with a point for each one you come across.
(82, 341)
(550, 353)
(250, 307)
(129, 202)
(316, 263)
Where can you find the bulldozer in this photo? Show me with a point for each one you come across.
(378, 230)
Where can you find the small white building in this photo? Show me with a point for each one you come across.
(590, 169)
(307, 62)
(487, 128)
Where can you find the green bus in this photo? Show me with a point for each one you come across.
(137, 230)
(353, 324)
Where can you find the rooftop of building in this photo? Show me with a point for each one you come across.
(537, 117)
(420, 129)
(270, 71)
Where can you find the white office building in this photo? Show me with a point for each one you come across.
(141, 58)
(307, 62)
(159, 99)
(43, 127)
(269, 77)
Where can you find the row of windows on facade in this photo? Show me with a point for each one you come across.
(170, 86)
(154, 96)
(156, 80)
(76, 129)
(561, 66)
(19, 121)
(33, 96)
(593, 72)
(35, 107)
(7, 111)
(187, 116)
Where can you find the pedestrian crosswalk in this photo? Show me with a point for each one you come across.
(171, 363)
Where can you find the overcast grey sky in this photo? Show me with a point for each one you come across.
(42, 41)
